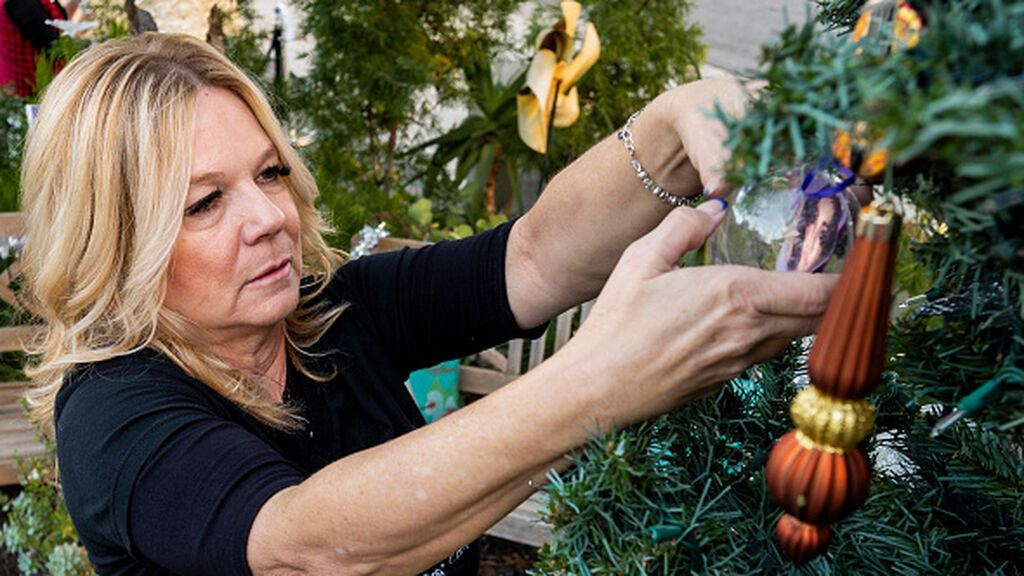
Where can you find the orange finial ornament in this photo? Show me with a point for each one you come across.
(817, 473)
(849, 351)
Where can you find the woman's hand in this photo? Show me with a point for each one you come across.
(562, 251)
(671, 335)
(690, 111)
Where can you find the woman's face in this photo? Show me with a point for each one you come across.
(236, 263)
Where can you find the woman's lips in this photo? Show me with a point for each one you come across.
(270, 275)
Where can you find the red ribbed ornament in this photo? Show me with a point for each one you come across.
(817, 484)
(814, 485)
(801, 541)
(849, 351)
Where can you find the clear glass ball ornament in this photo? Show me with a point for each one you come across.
(796, 220)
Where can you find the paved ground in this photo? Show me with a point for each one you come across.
(733, 29)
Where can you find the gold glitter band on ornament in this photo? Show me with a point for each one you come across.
(830, 421)
(810, 444)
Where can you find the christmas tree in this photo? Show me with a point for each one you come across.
(686, 493)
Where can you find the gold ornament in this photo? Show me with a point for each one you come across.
(859, 151)
(832, 421)
(550, 98)
(896, 22)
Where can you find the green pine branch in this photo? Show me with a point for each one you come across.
(950, 114)
(839, 14)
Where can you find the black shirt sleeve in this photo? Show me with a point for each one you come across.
(435, 303)
(196, 499)
(151, 464)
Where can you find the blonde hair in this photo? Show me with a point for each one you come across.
(105, 174)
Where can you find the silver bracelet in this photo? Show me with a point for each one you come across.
(627, 140)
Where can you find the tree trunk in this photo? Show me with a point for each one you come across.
(389, 165)
(492, 183)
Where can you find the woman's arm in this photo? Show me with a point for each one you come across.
(562, 250)
(400, 507)
(658, 336)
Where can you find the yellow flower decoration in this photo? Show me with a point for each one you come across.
(551, 79)
(899, 19)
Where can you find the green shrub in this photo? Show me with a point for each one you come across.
(38, 528)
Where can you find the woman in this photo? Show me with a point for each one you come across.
(226, 397)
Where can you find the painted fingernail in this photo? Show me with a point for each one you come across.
(714, 206)
(712, 186)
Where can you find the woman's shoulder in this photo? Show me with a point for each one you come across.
(112, 418)
(115, 413)
(126, 367)
(126, 384)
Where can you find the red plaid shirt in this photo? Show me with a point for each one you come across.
(17, 57)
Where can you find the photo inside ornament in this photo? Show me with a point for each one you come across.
(798, 220)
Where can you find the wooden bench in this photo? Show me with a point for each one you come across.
(523, 524)
(18, 437)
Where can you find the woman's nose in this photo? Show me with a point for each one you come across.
(263, 217)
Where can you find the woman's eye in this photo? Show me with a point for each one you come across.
(272, 173)
(204, 204)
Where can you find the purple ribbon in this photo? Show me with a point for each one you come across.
(831, 190)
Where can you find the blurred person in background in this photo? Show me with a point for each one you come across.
(24, 34)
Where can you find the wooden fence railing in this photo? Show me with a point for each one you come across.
(18, 437)
(523, 524)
